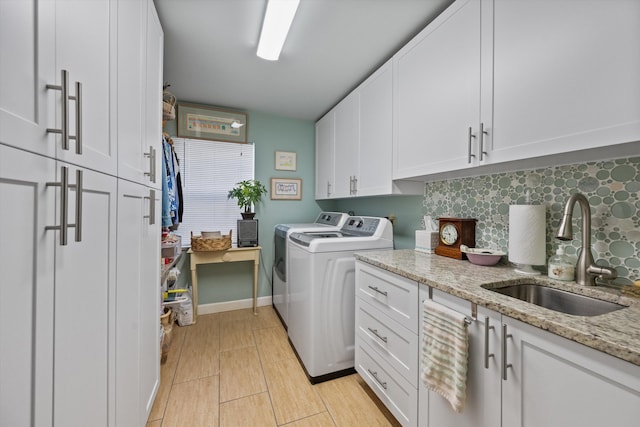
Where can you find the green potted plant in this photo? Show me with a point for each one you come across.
(248, 193)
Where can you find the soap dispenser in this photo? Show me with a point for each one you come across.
(561, 266)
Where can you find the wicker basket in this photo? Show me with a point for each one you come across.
(199, 243)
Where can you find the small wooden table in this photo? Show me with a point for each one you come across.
(229, 255)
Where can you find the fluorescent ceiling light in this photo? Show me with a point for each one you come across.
(277, 21)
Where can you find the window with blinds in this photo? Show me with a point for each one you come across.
(208, 171)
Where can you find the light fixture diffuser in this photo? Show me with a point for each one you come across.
(275, 27)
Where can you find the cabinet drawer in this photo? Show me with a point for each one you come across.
(393, 295)
(398, 395)
(394, 343)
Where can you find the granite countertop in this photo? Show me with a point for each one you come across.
(616, 333)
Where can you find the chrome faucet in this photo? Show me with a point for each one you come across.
(586, 269)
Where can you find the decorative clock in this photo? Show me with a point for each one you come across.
(454, 232)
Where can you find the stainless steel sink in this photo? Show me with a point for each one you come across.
(558, 300)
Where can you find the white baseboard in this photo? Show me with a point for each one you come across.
(219, 307)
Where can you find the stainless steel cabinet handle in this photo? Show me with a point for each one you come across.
(469, 154)
(328, 188)
(78, 188)
(152, 164)
(375, 288)
(64, 209)
(375, 332)
(505, 365)
(152, 207)
(355, 185)
(64, 113)
(375, 377)
(78, 135)
(351, 184)
(64, 122)
(487, 355)
(482, 134)
(64, 188)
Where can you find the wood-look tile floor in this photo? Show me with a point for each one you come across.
(235, 369)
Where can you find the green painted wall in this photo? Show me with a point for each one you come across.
(230, 282)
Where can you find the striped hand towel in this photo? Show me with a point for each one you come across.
(445, 346)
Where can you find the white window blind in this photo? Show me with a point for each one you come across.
(209, 170)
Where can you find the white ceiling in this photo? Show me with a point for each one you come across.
(210, 51)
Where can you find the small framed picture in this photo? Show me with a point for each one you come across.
(286, 189)
(285, 161)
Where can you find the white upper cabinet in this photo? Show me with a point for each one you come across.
(131, 64)
(376, 134)
(153, 97)
(437, 95)
(565, 76)
(27, 65)
(324, 156)
(354, 143)
(39, 40)
(489, 82)
(84, 47)
(346, 144)
(139, 101)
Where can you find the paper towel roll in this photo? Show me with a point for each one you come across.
(527, 234)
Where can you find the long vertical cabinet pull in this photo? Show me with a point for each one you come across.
(151, 155)
(328, 188)
(64, 122)
(78, 135)
(505, 365)
(64, 210)
(78, 188)
(487, 355)
(64, 113)
(152, 207)
(482, 134)
(355, 185)
(470, 138)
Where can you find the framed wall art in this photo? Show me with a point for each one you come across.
(211, 123)
(285, 161)
(286, 189)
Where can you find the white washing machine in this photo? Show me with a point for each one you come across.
(326, 221)
(322, 293)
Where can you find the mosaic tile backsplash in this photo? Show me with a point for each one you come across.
(612, 188)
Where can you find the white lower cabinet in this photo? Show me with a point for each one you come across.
(518, 375)
(544, 380)
(555, 382)
(138, 303)
(387, 339)
(58, 299)
(482, 406)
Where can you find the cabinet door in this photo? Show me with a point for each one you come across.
(149, 305)
(137, 303)
(437, 94)
(154, 81)
(27, 66)
(324, 156)
(85, 306)
(565, 76)
(347, 141)
(131, 88)
(482, 406)
(84, 34)
(26, 289)
(555, 382)
(376, 114)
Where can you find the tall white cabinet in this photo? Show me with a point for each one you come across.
(80, 243)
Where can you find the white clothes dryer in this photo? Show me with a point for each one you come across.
(322, 293)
